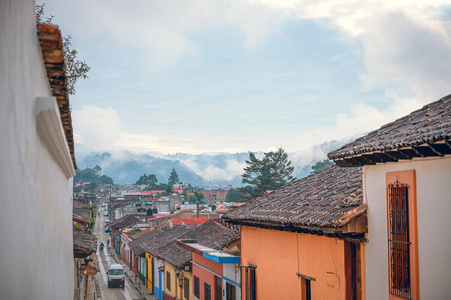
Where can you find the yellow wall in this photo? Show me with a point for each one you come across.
(175, 290)
(187, 275)
(149, 258)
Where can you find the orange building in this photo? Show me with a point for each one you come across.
(304, 240)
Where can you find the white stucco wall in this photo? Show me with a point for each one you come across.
(36, 257)
(433, 179)
(228, 270)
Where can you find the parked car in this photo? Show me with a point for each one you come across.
(116, 276)
(107, 222)
(107, 229)
(105, 213)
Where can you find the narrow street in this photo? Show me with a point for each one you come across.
(105, 260)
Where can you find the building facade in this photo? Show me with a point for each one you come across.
(36, 162)
(305, 240)
(407, 170)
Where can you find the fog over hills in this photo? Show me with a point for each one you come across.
(207, 170)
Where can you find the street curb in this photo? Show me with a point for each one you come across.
(97, 287)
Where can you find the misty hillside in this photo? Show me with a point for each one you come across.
(204, 170)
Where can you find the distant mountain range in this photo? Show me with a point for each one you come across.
(203, 170)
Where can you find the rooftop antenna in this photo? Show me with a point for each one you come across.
(220, 248)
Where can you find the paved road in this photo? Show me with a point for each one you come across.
(127, 293)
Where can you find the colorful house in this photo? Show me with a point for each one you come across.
(215, 272)
(407, 175)
(116, 227)
(304, 240)
(150, 268)
(128, 235)
(179, 283)
(142, 258)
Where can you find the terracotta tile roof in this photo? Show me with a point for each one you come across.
(221, 210)
(156, 239)
(174, 254)
(53, 54)
(125, 221)
(194, 221)
(139, 233)
(137, 245)
(84, 241)
(210, 234)
(322, 203)
(425, 132)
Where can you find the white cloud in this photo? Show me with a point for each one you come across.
(100, 129)
(97, 128)
(406, 51)
(360, 119)
(412, 51)
(163, 30)
(232, 169)
(407, 43)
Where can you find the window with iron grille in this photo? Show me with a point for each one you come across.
(168, 280)
(196, 287)
(218, 288)
(186, 288)
(399, 240)
(207, 291)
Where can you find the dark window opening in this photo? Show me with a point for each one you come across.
(196, 287)
(218, 288)
(168, 280)
(231, 291)
(306, 289)
(207, 291)
(186, 288)
(253, 284)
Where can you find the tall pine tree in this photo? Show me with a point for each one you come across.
(173, 178)
(269, 173)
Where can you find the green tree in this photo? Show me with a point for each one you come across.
(233, 195)
(269, 173)
(173, 178)
(142, 180)
(87, 174)
(321, 165)
(92, 175)
(75, 68)
(106, 179)
(152, 181)
(192, 198)
(185, 194)
(199, 196)
(166, 187)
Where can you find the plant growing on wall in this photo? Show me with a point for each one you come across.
(75, 68)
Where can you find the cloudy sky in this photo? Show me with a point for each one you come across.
(199, 76)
